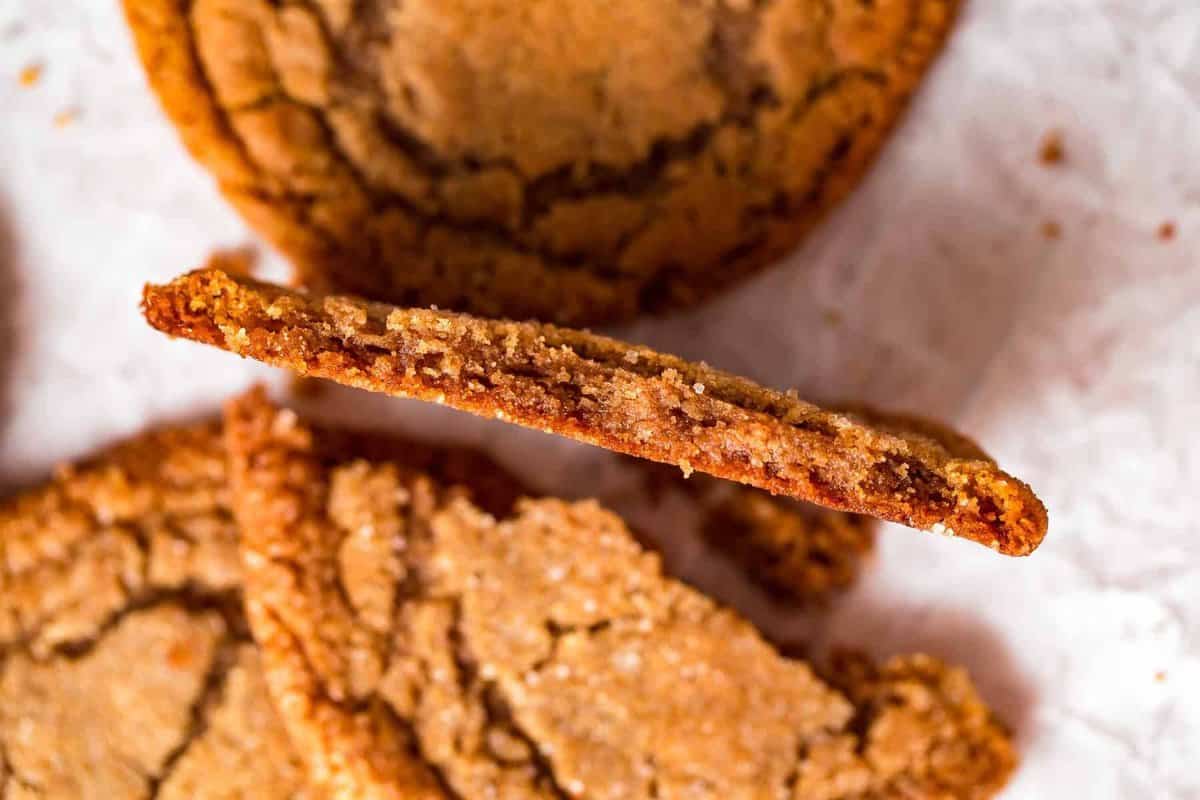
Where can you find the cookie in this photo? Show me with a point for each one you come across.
(626, 398)
(800, 553)
(925, 733)
(126, 669)
(419, 647)
(567, 161)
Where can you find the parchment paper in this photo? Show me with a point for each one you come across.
(939, 287)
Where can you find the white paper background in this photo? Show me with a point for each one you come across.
(1077, 361)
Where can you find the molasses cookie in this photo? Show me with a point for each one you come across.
(419, 647)
(126, 666)
(626, 398)
(126, 670)
(565, 160)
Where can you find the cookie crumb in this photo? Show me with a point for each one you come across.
(65, 118)
(1052, 229)
(1052, 152)
(30, 76)
(832, 318)
(1160, 677)
(1167, 231)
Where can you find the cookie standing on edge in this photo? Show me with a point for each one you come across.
(126, 670)
(629, 399)
(562, 160)
(418, 647)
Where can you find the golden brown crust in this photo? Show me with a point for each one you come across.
(421, 648)
(413, 153)
(125, 665)
(621, 397)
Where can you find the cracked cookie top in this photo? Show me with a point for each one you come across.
(419, 647)
(625, 398)
(126, 670)
(570, 161)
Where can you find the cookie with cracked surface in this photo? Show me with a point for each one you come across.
(421, 648)
(126, 669)
(926, 733)
(563, 160)
(626, 398)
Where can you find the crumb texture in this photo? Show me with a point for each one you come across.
(575, 161)
(125, 666)
(626, 398)
(420, 647)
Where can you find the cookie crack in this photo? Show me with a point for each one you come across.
(541, 195)
(652, 787)
(137, 597)
(190, 598)
(9, 772)
(497, 706)
(207, 699)
(745, 85)
(740, 110)
(439, 776)
(25, 784)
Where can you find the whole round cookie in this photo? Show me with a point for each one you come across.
(575, 161)
(126, 670)
(419, 647)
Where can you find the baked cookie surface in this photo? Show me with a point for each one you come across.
(557, 159)
(800, 553)
(625, 398)
(126, 669)
(419, 647)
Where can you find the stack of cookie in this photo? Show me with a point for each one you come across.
(260, 606)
